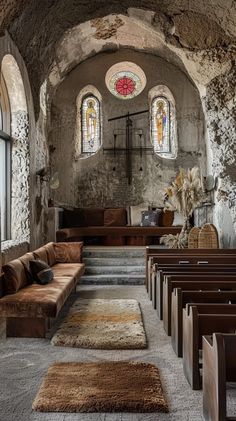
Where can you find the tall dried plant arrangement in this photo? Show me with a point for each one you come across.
(183, 195)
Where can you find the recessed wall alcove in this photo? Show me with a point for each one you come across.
(100, 180)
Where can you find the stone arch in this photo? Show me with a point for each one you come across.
(20, 149)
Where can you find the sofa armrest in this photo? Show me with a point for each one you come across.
(68, 252)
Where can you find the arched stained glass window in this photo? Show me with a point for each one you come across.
(161, 124)
(90, 124)
(163, 130)
(88, 129)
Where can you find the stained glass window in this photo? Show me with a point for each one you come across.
(163, 125)
(160, 121)
(90, 124)
(125, 80)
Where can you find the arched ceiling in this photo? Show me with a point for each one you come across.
(203, 28)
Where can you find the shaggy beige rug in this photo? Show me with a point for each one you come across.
(102, 324)
(101, 387)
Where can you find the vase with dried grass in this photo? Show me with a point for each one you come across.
(183, 195)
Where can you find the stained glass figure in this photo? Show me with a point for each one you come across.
(90, 124)
(160, 124)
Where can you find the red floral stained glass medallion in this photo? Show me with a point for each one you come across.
(125, 86)
(125, 80)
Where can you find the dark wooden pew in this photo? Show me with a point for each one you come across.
(180, 298)
(219, 367)
(199, 320)
(179, 270)
(227, 260)
(170, 281)
(152, 252)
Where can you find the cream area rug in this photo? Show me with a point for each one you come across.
(101, 387)
(102, 324)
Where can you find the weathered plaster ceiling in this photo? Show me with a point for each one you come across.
(184, 24)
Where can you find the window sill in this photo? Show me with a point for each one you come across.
(12, 249)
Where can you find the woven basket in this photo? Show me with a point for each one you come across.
(193, 238)
(208, 237)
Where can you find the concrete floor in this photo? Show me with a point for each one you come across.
(24, 362)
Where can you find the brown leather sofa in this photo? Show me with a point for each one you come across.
(29, 308)
(111, 227)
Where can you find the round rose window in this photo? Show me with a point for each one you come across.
(125, 80)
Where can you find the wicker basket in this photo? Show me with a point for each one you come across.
(208, 237)
(193, 238)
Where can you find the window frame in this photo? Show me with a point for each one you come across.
(87, 95)
(5, 136)
(163, 97)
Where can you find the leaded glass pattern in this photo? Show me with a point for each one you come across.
(90, 124)
(160, 125)
(163, 123)
(125, 80)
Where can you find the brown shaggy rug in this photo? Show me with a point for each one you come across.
(102, 324)
(101, 387)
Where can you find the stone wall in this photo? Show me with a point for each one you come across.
(101, 179)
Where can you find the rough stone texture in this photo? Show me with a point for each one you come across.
(168, 28)
(46, 24)
(13, 249)
(101, 179)
(20, 176)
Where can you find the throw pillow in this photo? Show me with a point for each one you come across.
(42, 273)
(73, 218)
(68, 252)
(178, 219)
(94, 217)
(115, 217)
(150, 218)
(166, 218)
(135, 214)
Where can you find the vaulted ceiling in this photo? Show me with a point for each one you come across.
(37, 27)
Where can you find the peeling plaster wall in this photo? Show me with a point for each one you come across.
(220, 106)
(23, 134)
(92, 181)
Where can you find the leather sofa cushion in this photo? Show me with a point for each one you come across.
(115, 217)
(25, 259)
(68, 252)
(166, 218)
(38, 300)
(15, 276)
(50, 253)
(68, 269)
(94, 217)
(41, 254)
(74, 218)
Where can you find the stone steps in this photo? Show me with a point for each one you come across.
(107, 261)
(114, 266)
(110, 269)
(114, 279)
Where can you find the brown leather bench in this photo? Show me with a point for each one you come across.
(29, 307)
(180, 298)
(125, 234)
(199, 320)
(219, 367)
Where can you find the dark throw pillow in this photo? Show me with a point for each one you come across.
(150, 218)
(41, 273)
